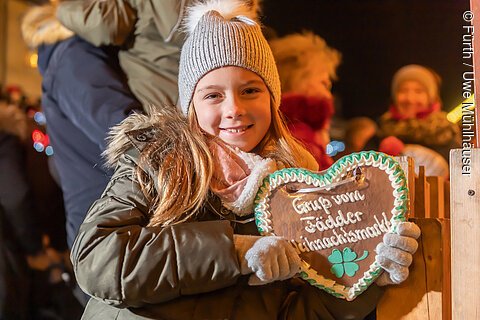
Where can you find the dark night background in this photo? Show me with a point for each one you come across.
(376, 37)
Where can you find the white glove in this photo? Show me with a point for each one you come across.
(395, 253)
(269, 258)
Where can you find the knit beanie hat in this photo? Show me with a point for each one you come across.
(224, 33)
(429, 79)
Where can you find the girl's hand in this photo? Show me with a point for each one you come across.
(269, 258)
(395, 253)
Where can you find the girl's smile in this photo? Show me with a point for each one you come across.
(233, 103)
(237, 130)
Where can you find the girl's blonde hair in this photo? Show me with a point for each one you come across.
(183, 165)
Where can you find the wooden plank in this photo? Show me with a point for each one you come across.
(436, 195)
(422, 295)
(465, 220)
(447, 269)
(437, 266)
(446, 191)
(422, 195)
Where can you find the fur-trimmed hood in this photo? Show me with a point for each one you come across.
(119, 140)
(13, 121)
(41, 26)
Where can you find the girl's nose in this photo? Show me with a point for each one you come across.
(234, 108)
(410, 97)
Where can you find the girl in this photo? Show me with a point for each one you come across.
(173, 234)
(415, 116)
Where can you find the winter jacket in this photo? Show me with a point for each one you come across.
(83, 95)
(150, 36)
(183, 271)
(434, 131)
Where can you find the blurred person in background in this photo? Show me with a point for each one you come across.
(307, 67)
(84, 93)
(148, 34)
(415, 116)
(34, 260)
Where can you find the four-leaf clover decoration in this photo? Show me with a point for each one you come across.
(344, 262)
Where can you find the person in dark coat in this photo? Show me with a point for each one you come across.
(84, 93)
(148, 33)
(19, 233)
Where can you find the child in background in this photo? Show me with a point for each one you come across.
(173, 235)
(307, 66)
(415, 117)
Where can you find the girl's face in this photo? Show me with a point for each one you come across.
(233, 103)
(412, 97)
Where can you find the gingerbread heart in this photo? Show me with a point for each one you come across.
(336, 218)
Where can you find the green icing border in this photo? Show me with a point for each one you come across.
(343, 165)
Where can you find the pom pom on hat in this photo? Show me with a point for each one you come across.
(228, 9)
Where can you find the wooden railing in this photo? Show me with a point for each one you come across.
(426, 294)
(465, 216)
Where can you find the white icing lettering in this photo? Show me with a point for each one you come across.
(350, 218)
(348, 197)
(334, 241)
(358, 214)
(330, 223)
(300, 208)
(353, 236)
(340, 237)
(371, 232)
(311, 227)
(316, 205)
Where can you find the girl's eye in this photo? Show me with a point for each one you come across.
(212, 96)
(251, 90)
